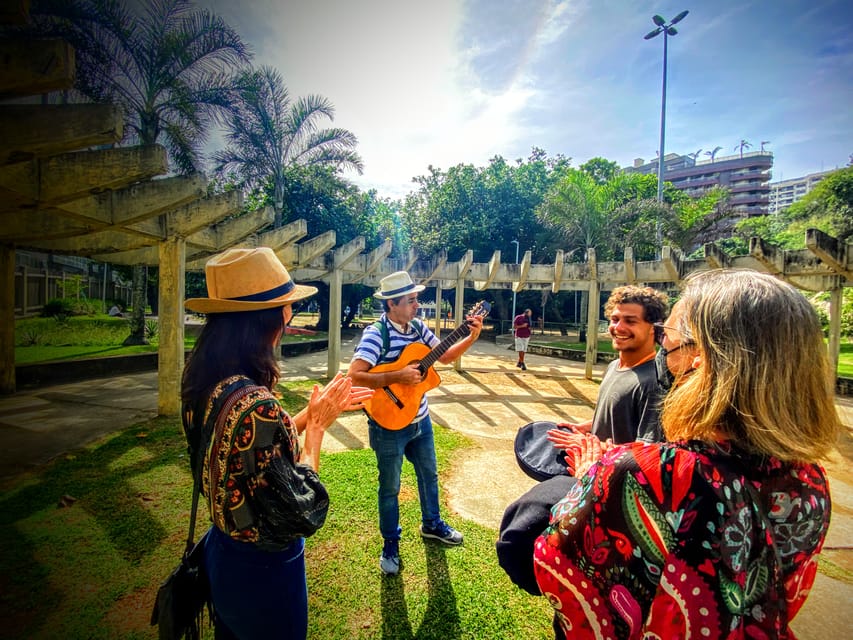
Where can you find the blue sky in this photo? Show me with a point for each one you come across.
(446, 82)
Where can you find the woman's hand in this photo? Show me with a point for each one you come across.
(326, 404)
(585, 453)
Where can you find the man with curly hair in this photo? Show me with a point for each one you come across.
(629, 395)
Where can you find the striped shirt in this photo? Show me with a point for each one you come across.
(369, 348)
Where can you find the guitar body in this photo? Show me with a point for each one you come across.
(395, 406)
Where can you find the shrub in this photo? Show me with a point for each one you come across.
(152, 328)
(58, 306)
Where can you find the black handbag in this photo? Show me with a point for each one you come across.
(181, 599)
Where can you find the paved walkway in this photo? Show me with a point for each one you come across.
(487, 402)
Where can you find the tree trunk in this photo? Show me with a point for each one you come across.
(137, 317)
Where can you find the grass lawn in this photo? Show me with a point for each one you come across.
(91, 569)
(47, 339)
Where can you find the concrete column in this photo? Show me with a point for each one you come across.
(336, 282)
(170, 363)
(7, 319)
(834, 346)
(592, 329)
(459, 309)
(437, 319)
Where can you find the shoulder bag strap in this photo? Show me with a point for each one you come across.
(218, 413)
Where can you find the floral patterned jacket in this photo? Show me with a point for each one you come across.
(257, 491)
(685, 540)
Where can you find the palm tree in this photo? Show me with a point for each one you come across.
(743, 145)
(713, 154)
(267, 133)
(695, 154)
(168, 67)
(764, 142)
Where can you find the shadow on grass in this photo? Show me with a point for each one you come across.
(441, 618)
(103, 484)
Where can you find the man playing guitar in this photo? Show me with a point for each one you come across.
(399, 297)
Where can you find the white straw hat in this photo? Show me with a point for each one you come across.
(395, 285)
(247, 280)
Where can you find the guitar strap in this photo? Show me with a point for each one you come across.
(382, 327)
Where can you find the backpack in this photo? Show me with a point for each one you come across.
(380, 326)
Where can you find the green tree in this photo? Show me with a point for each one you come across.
(829, 205)
(600, 169)
(168, 66)
(268, 133)
(482, 209)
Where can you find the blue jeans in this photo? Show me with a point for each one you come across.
(417, 444)
(257, 594)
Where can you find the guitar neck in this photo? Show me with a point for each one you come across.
(441, 348)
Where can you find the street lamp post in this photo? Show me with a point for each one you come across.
(515, 242)
(667, 30)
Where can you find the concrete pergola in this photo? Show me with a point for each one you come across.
(63, 192)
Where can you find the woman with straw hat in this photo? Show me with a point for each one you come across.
(262, 487)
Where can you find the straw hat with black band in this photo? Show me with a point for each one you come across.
(247, 280)
(396, 285)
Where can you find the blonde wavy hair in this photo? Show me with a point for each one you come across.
(765, 381)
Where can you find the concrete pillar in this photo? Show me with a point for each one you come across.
(336, 283)
(170, 363)
(459, 308)
(592, 329)
(7, 319)
(592, 316)
(437, 319)
(834, 346)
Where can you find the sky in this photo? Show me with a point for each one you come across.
(448, 82)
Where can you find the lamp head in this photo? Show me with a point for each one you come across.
(658, 20)
(652, 34)
(679, 17)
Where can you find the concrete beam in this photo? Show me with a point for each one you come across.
(559, 264)
(435, 266)
(230, 232)
(277, 239)
(492, 272)
(35, 130)
(137, 202)
(835, 255)
(367, 264)
(630, 265)
(31, 67)
(716, 257)
(524, 270)
(70, 176)
(200, 214)
(300, 256)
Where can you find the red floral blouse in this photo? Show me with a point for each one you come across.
(686, 540)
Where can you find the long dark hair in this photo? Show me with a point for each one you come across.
(232, 344)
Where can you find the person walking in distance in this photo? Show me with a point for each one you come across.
(381, 343)
(521, 329)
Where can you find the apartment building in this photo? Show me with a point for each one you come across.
(786, 192)
(746, 176)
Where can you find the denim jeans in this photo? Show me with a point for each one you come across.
(415, 442)
(257, 594)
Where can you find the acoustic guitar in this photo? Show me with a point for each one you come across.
(396, 405)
